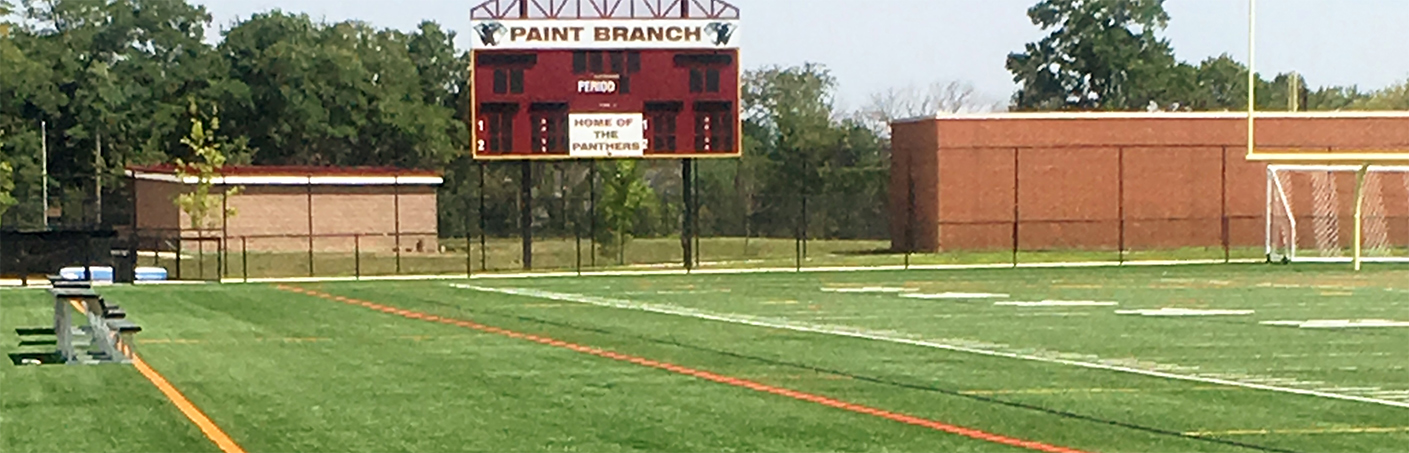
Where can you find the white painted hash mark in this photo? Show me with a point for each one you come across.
(1058, 303)
(956, 296)
(1168, 311)
(869, 289)
(1338, 323)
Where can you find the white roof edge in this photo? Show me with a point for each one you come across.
(1154, 115)
(291, 180)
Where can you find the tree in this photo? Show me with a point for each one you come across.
(1336, 98)
(7, 183)
(1100, 55)
(343, 94)
(624, 195)
(913, 101)
(209, 161)
(1394, 97)
(803, 157)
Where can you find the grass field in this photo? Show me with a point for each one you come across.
(978, 360)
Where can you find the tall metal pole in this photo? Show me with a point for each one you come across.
(526, 213)
(482, 241)
(44, 169)
(696, 229)
(687, 227)
(98, 181)
(592, 212)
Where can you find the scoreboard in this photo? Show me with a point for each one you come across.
(605, 88)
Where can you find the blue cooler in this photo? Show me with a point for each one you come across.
(100, 273)
(151, 274)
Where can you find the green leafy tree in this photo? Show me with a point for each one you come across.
(207, 165)
(1336, 98)
(1394, 97)
(624, 195)
(343, 93)
(7, 183)
(1099, 55)
(789, 113)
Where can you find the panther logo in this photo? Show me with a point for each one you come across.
(490, 33)
(723, 32)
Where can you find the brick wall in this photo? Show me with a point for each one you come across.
(277, 217)
(1101, 181)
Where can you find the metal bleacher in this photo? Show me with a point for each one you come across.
(104, 335)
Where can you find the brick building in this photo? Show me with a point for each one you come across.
(1050, 181)
(295, 208)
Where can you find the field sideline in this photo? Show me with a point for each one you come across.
(893, 360)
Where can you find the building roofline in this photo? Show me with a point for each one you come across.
(1344, 114)
(297, 176)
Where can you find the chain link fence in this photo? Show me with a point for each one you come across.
(580, 216)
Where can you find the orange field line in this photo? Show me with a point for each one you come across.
(211, 431)
(825, 401)
(192, 412)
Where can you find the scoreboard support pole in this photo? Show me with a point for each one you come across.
(526, 212)
(687, 228)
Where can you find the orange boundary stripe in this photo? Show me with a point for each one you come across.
(751, 385)
(193, 413)
(211, 431)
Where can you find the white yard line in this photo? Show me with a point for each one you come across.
(895, 337)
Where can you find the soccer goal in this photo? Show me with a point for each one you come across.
(1311, 213)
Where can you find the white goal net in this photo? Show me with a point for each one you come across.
(1311, 213)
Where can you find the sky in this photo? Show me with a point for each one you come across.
(875, 45)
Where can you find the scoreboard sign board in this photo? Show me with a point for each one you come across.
(605, 88)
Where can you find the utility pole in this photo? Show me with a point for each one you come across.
(98, 181)
(44, 169)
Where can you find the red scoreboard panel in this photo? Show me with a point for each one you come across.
(605, 88)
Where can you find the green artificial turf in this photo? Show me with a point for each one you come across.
(281, 371)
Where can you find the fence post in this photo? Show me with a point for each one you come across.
(310, 255)
(1223, 206)
(909, 214)
(805, 193)
(526, 212)
(222, 257)
(309, 191)
(687, 222)
(592, 211)
(244, 259)
(1120, 204)
(357, 256)
(396, 212)
(179, 234)
(1016, 200)
(696, 228)
(469, 249)
(483, 247)
(577, 235)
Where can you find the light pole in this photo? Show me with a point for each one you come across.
(44, 169)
